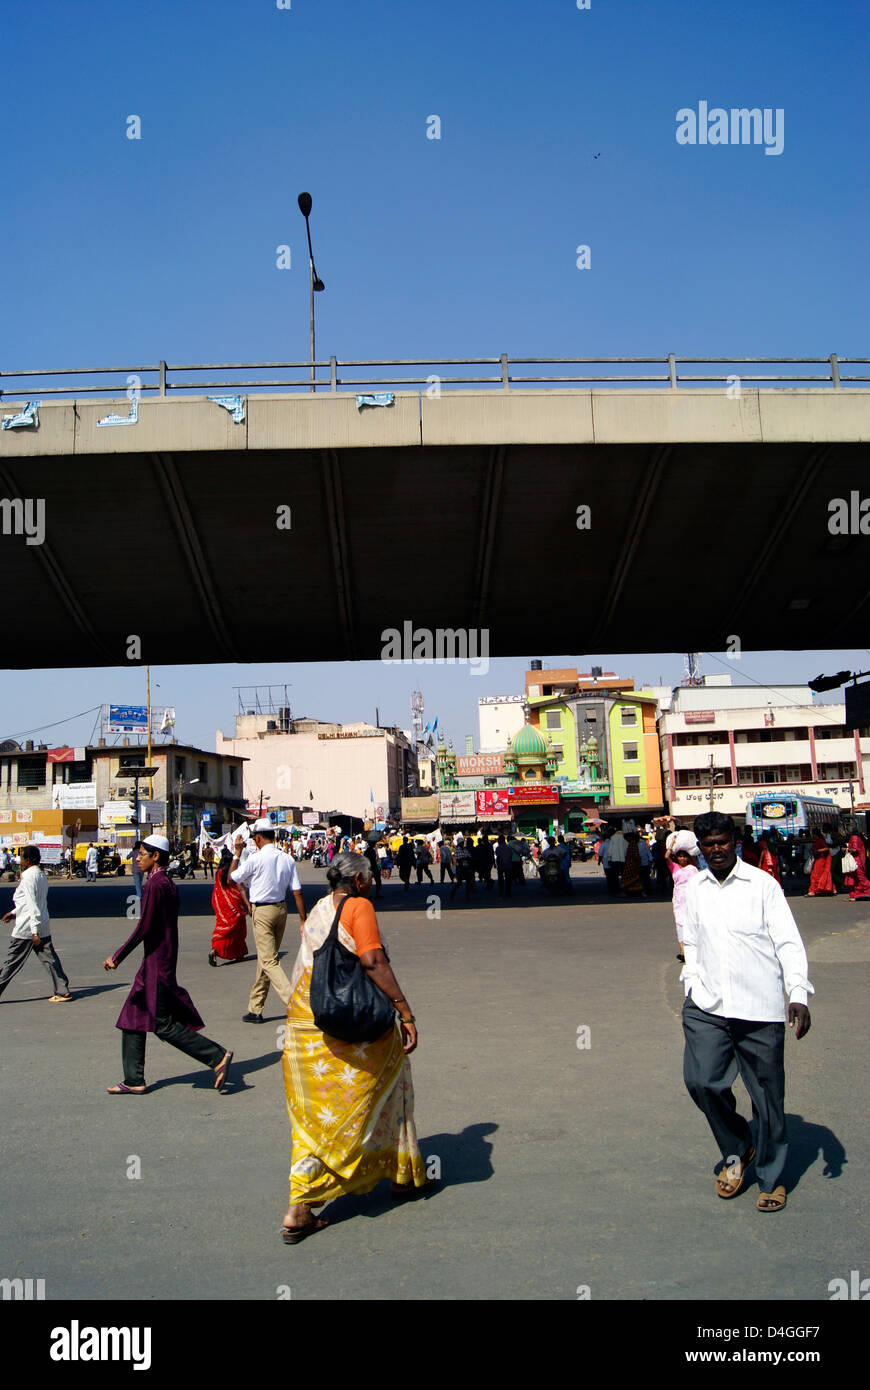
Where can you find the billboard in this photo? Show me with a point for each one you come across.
(74, 796)
(419, 808)
(458, 807)
(480, 765)
(127, 719)
(499, 803)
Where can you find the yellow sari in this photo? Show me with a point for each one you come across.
(351, 1105)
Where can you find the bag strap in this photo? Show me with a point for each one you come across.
(333, 931)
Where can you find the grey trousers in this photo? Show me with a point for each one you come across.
(717, 1049)
(19, 950)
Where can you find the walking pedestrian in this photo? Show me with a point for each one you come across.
(504, 866)
(351, 1105)
(680, 860)
(423, 859)
(267, 877)
(32, 930)
(464, 867)
(856, 879)
(136, 871)
(230, 905)
(208, 861)
(405, 859)
(485, 860)
(742, 949)
(371, 854)
(445, 860)
(157, 1003)
(92, 862)
(821, 881)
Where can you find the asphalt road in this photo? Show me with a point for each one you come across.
(563, 1167)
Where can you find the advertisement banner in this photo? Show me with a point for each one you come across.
(458, 807)
(480, 765)
(493, 804)
(5, 817)
(116, 813)
(310, 818)
(24, 816)
(74, 796)
(51, 849)
(127, 719)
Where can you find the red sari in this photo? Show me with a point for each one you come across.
(858, 883)
(768, 862)
(750, 853)
(229, 938)
(820, 878)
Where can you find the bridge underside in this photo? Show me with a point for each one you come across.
(688, 546)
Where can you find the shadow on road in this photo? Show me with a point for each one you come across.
(805, 1142)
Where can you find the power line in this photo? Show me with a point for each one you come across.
(25, 732)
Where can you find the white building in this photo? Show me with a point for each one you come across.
(499, 717)
(757, 739)
(355, 769)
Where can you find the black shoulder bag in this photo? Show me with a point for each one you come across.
(345, 1003)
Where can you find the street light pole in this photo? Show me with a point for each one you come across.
(314, 283)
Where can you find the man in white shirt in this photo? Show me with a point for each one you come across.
(742, 949)
(92, 863)
(32, 930)
(267, 875)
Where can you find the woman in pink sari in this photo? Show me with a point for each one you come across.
(820, 879)
(858, 883)
(230, 906)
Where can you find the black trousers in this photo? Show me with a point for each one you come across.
(504, 882)
(169, 1030)
(446, 869)
(717, 1049)
(424, 869)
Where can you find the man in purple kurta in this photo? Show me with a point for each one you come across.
(156, 1002)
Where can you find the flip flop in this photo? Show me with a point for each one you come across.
(60, 998)
(221, 1072)
(122, 1090)
(772, 1201)
(292, 1235)
(739, 1179)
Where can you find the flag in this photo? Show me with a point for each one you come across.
(371, 794)
(435, 726)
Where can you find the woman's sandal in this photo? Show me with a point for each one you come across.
(293, 1234)
(221, 1072)
(730, 1186)
(122, 1090)
(772, 1201)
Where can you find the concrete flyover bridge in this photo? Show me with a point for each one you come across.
(606, 505)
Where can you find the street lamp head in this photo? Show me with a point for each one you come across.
(318, 284)
(304, 201)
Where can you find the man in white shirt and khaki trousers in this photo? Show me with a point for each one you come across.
(32, 930)
(742, 949)
(267, 876)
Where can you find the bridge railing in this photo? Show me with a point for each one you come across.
(334, 375)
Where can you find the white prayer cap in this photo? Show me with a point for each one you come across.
(260, 825)
(157, 842)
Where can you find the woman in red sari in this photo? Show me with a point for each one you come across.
(230, 906)
(767, 860)
(858, 883)
(820, 878)
(750, 848)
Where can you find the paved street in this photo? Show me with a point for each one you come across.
(562, 1166)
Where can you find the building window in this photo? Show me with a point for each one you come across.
(180, 767)
(202, 772)
(629, 752)
(629, 715)
(233, 771)
(632, 786)
(554, 719)
(80, 772)
(31, 772)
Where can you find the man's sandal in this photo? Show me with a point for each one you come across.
(729, 1182)
(292, 1235)
(772, 1201)
(122, 1090)
(60, 998)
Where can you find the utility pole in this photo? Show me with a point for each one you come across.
(714, 778)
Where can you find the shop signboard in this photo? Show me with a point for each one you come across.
(51, 849)
(537, 794)
(700, 716)
(116, 813)
(310, 817)
(419, 808)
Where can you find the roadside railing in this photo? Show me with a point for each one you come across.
(334, 375)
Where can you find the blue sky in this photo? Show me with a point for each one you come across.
(122, 251)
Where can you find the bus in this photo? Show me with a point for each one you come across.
(789, 813)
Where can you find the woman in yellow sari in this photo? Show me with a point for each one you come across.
(351, 1105)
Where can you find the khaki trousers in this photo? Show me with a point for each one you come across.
(269, 922)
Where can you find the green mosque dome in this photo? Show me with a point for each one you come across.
(529, 743)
